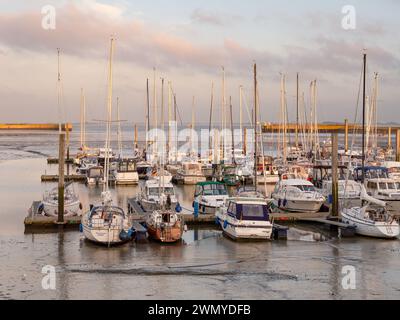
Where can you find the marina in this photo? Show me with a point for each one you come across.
(192, 152)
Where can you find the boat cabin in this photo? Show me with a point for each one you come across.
(210, 188)
(126, 165)
(372, 172)
(324, 172)
(248, 210)
(95, 172)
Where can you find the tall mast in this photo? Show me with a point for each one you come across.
(147, 114)
(169, 120)
(109, 115)
(192, 127)
(155, 113)
(223, 114)
(232, 133)
(119, 132)
(81, 119)
(211, 113)
(255, 127)
(297, 110)
(363, 117)
(84, 121)
(59, 90)
(241, 115)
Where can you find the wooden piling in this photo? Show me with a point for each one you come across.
(389, 144)
(136, 137)
(346, 135)
(397, 145)
(335, 193)
(61, 157)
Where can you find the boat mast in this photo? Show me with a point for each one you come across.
(147, 116)
(81, 119)
(255, 127)
(210, 120)
(192, 128)
(169, 120)
(155, 113)
(223, 114)
(363, 118)
(241, 116)
(119, 132)
(232, 133)
(109, 115)
(297, 110)
(161, 175)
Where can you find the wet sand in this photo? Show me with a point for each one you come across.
(205, 265)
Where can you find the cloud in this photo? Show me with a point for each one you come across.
(213, 18)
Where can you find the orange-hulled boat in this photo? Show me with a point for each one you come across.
(164, 226)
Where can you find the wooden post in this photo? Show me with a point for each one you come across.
(335, 195)
(61, 157)
(397, 145)
(389, 138)
(346, 135)
(136, 137)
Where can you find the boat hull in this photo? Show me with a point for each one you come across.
(300, 205)
(166, 235)
(71, 209)
(369, 229)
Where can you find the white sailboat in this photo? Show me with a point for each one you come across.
(107, 224)
(72, 204)
(371, 221)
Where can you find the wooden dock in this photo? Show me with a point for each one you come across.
(71, 177)
(55, 161)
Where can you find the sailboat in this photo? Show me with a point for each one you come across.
(106, 223)
(72, 205)
(369, 220)
(164, 224)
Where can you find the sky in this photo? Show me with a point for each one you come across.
(188, 42)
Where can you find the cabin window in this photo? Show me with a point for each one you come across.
(305, 188)
(232, 208)
(371, 185)
(398, 185)
(382, 185)
(391, 186)
(254, 212)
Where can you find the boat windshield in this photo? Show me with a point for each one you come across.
(252, 212)
(155, 191)
(305, 188)
(95, 172)
(391, 186)
(214, 190)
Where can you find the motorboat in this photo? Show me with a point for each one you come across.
(95, 175)
(245, 218)
(163, 176)
(151, 193)
(190, 173)
(125, 172)
(210, 195)
(297, 195)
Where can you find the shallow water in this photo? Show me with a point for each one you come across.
(205, 265)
